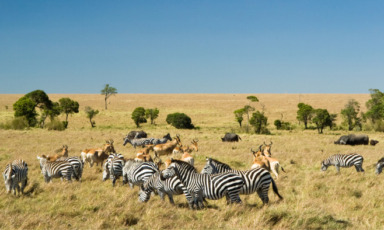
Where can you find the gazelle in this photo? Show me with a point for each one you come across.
(98, 155)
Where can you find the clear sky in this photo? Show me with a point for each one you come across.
(195, 46)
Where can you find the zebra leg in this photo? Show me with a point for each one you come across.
(113, 181)
(263, 196)
(337, 168)
(170, 198)
(23, 185)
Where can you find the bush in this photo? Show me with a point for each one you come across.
(281, 125)
(180, 121)
(260, 122)
(18, 123)
(55, 125)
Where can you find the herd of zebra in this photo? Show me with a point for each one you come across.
(180, 177)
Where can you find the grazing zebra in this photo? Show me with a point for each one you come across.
(379, 166)
(345, 161)
(138, 142)
(56, 169)
(202, 186)
(113, 167)
(255, 180)
(136, 173)
(171, 186)
(77, 165)
(163, 140)
(16, 173)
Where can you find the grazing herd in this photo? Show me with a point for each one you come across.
(179, 177)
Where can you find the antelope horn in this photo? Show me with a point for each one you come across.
(271, 143)
(107, 141)
(260, 147)
(264, 143)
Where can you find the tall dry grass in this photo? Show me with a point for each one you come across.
(312, 199)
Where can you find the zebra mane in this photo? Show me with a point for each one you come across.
(184, 164)
(220, 163)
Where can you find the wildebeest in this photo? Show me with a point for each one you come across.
(231, 137)
(353, 139)
(373, 142)
(140, 134)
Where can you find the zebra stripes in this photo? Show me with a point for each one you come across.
(345, 161)
(113, 167)
(77, 166)
(136, 173)
(171, 186)
(163, 140)
(255, 180)
(202, 186)
(56, 169)
(15, 173)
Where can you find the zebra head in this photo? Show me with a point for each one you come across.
(126, 140)
(168, 137)
(145, 192)
(8, 178)
(379, 168)
(324, 166)
(106, 171)
(209, 167)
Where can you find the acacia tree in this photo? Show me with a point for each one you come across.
(26, 107)
(138, 116)
(107, 92)
(248, 108)
(68, 106)
(239, 115)
(304, 113)
(259, 121)
(375, 106)
(322, 119)
(349, 114)
(91, 113)
(152, 114)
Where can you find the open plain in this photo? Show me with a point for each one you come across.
(312, 199)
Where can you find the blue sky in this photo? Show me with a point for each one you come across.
(192, 46)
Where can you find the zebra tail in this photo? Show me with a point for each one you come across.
(275, 190)
(282, 168)
(75, 173)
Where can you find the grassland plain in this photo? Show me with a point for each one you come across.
(312, 199)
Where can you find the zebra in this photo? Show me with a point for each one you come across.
(56, 169)
(345, 161)
(77, 165)
(138, 142)
(379, 166)
(163, 140)
(202, 186)
(255, 180)
(15, 173)
(113, 167)
(136, 173)
(171, 186)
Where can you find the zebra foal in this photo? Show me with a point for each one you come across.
(345, 161)
(15, 173)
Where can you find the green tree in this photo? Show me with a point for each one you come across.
(138, 116)
(350, 114)
(51, 112)
(107, 92)
(239, 115)
(25, 107)
(68, 106)
(152, 114)
(375, 106)
(305, 113)
(322, 119)
(248, 108)
(180, 121)
(91, 113)
(260, 122)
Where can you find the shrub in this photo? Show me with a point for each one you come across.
(18, 123)
(55, 125)
(260, 122)
(282, 125)
(180, 121)
(138, 116)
